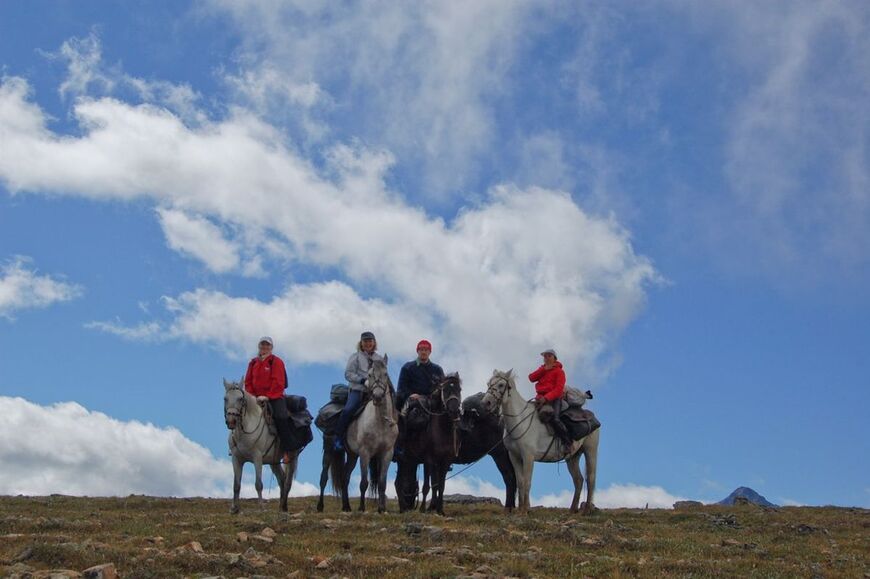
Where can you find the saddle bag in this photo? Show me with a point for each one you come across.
(327, 417)
(580, 422)
(575, 397)
(338, 393)
(296, 404)
(301, 428)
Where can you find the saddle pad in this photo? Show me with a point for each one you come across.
(327, 416)
(338, 393)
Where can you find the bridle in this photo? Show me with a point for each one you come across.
(500, 393)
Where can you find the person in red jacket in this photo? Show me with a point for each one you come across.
(266, 378)
(549, 382)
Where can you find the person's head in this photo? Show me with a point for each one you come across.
(264, 347)
(424, 350)
(549, 356)
(367, 343)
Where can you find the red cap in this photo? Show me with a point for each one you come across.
(424, 343)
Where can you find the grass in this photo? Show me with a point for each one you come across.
(160, 537)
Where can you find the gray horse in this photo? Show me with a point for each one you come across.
(371, 438)
(251, 441)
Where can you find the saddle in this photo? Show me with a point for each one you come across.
(329, 413)
(578, 421)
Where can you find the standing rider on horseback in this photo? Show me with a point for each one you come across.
(549, 387)
(355, 373)
(266, 379)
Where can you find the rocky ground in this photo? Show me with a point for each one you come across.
(156, 537)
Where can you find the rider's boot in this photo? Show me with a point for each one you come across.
(562, 432)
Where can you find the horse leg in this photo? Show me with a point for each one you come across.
(590, 451)
(520, 472)
(237, 484)
(573, 463)
(324, 474)
(349, 464)
(427, 473)
(382, 481)
(287, 480)
(438, 490)
(279, 473)
(503, 462)
(258, 480)
(363, 481)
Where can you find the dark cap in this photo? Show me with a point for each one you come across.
(367, 336)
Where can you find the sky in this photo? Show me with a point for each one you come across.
(674, 195)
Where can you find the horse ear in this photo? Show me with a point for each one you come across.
(227, 385)
(386, 358)
(510, 373)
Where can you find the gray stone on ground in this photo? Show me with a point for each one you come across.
(687, 505)
(471, 500)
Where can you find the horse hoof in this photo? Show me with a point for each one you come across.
(234, 510)
(319, 508)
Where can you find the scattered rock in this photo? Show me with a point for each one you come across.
(294, 574)
(729, 521)
(268, 532)
(687, 505)
(435, 551)
(809, 529)
(399, 560)
(592, 541)
(104, 571)
(263, 538)
(155, 540)
(242, 537)
(323, 564)
(24, 555)
(470, 500)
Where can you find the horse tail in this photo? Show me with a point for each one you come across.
(374, 476)
(336, 465)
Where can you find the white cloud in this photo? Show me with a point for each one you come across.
(22, 288)
(145, 331)
(616, 496)
(65, 448)
(526, 269)
(424, 73)
(796, 154)
(199, 238)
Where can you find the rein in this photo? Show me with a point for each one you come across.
(240, 413)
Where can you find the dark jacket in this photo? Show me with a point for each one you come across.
(417, 378)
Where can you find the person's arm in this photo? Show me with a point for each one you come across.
(402, 390)
(536, 375)
(249, 378)
(277, 385)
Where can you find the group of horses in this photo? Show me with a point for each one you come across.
(440, 430)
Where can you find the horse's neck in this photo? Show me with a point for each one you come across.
(253, 411)
(513, 405)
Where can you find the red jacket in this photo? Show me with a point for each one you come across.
(266, 377)
(550, 384)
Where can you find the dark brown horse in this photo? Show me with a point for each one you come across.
(431, 438)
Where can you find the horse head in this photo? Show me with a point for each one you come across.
(451, 395)
(378, 381)
(497, 387)
(234, 404)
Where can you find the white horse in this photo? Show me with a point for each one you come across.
(528, 441)
(251, 441)
(371, 438)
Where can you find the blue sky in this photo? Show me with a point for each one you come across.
(676, 197)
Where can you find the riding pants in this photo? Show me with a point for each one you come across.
(354, 399)
(282, 424)
(559, 426)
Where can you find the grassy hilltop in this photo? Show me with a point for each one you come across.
(160, 537)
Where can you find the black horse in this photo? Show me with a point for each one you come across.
(480, 433)
(430, 436)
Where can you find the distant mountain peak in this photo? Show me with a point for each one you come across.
(748, 494)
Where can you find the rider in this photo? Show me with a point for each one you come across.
(549, 388)
(415, 380)
(418, 376)
(266, 379)
(356, 372)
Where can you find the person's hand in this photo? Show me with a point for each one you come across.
(415, 396)
(262, 399)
